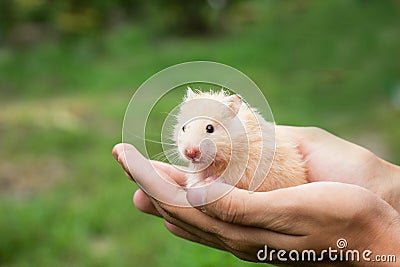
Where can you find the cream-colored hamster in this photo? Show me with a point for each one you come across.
(222, 138)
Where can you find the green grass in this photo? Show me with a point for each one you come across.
(63, 199)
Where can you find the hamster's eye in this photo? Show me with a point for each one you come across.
(210, 128)
(183, 128)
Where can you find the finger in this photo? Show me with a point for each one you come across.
(288, 210)
(230, 204)
(188, 236)
(118, 154)
(232, 235)
(151, 206)
(243, 248)
(171, 171)
(317, 146)
(277, 210)
(169, 216)
(152, 180)
(144, 204)
(183, 234)
(115, 151)
(129, 176)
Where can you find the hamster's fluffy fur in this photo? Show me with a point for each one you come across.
(242, 145)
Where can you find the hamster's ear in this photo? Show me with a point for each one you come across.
(189, 94)
(234, 102)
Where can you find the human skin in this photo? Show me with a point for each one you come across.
(355, 196)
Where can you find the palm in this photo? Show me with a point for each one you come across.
(329, 158)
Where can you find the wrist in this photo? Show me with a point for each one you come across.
(387, 245)
(378, 237)
(391, 186)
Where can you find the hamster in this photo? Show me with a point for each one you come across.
(221, 137)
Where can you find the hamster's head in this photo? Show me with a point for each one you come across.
(202, 132)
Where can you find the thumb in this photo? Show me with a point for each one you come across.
(225, 202)
(150, 179)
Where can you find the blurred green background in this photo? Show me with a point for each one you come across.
(68, 70)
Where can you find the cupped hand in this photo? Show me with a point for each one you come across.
(307, 217)
(330, 158)
(312, 216)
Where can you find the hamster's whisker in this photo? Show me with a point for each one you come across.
(167, 154)
(175, 159)
(170, 114)
(155, 141)
(159, 142)
(159, 158)
(171, 152)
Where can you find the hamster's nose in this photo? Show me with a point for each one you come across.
(192, 153)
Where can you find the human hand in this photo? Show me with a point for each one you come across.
(330, 158)
(296, 218)
(307, 217)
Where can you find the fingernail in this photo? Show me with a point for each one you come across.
(115, 155)
(114, 152)
(120, 157)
